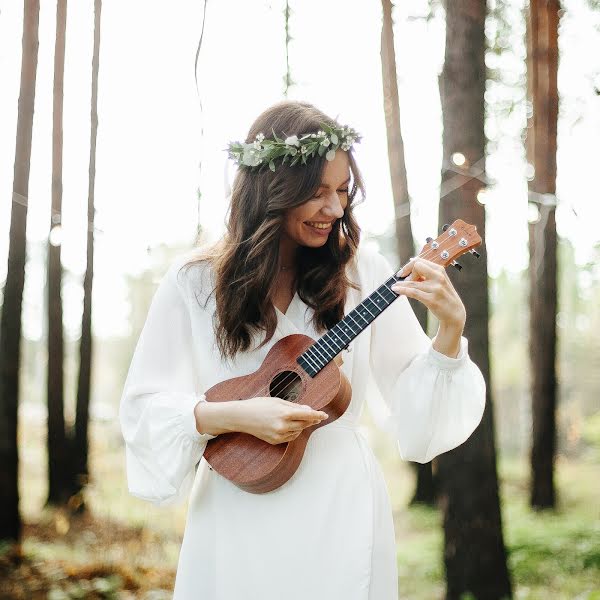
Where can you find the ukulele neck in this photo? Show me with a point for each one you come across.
(329, 345)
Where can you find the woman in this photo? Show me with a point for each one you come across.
(289, 263)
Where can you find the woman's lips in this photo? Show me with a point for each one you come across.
(319, 231)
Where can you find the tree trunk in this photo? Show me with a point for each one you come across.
(474, 553)
(81, 444)
(59, 454)
(425, 490)
(542, 67)
(10, 323)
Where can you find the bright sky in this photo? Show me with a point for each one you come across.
(150, 125)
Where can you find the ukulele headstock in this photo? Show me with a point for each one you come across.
(455, 240)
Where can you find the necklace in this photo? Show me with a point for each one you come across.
(289, 268)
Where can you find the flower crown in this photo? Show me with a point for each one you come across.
(295, 148)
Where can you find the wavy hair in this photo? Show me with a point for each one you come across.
(246, 259)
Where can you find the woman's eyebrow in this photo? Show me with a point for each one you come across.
(326, 185)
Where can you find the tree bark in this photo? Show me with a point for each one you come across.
(10, 323)
(542, 67)
(425, 489)
(81, 443)
(59, 454)
(474, 552)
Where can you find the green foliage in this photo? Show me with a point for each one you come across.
(552, 554)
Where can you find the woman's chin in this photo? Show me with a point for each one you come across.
(312, 242)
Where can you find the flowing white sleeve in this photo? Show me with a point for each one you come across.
(435, 402)
(162, 444)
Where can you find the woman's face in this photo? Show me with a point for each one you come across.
(310, 223)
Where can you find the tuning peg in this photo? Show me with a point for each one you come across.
(429, 240)
(456, 265)
(445, 227)
(475, 253)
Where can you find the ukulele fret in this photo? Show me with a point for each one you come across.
(330, 344)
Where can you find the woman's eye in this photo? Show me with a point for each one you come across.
(344, 191)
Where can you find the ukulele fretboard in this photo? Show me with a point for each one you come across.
(329, 345)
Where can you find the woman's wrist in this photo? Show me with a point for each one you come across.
(447, 340)
(217, 417)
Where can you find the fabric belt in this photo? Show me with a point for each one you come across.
(344, 422)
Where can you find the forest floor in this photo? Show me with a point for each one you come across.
(127, 548)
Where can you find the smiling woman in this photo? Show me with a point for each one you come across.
(289, 268)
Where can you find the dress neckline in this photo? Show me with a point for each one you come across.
(290, 306)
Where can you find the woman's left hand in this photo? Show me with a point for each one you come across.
(429, 283)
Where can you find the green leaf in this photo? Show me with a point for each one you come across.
(277, 139)
(271, 165)
(334, 138)
(327, 129)
(321, 150)
(330, 155)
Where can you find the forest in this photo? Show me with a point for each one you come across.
(114, 117)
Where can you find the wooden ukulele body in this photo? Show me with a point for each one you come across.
(251, 463)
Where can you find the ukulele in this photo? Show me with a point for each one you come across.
(302, 370)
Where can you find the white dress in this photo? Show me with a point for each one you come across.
(327, 533)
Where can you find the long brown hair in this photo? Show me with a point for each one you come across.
(245, 261)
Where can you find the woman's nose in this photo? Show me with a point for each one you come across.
(333, 207)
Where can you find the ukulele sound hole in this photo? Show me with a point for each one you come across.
(286, 385)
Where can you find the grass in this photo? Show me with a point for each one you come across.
(129, 548)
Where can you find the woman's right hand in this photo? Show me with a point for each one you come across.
(275, 420)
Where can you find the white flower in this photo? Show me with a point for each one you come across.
(250, 157)
(304, 149)
(292, 140)
(325, 142)
(320, 132)
(260, 137)
(257, 145)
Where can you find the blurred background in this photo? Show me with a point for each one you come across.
(114, 117)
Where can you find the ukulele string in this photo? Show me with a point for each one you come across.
(283, 385)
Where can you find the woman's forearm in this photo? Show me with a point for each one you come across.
(217, 417)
